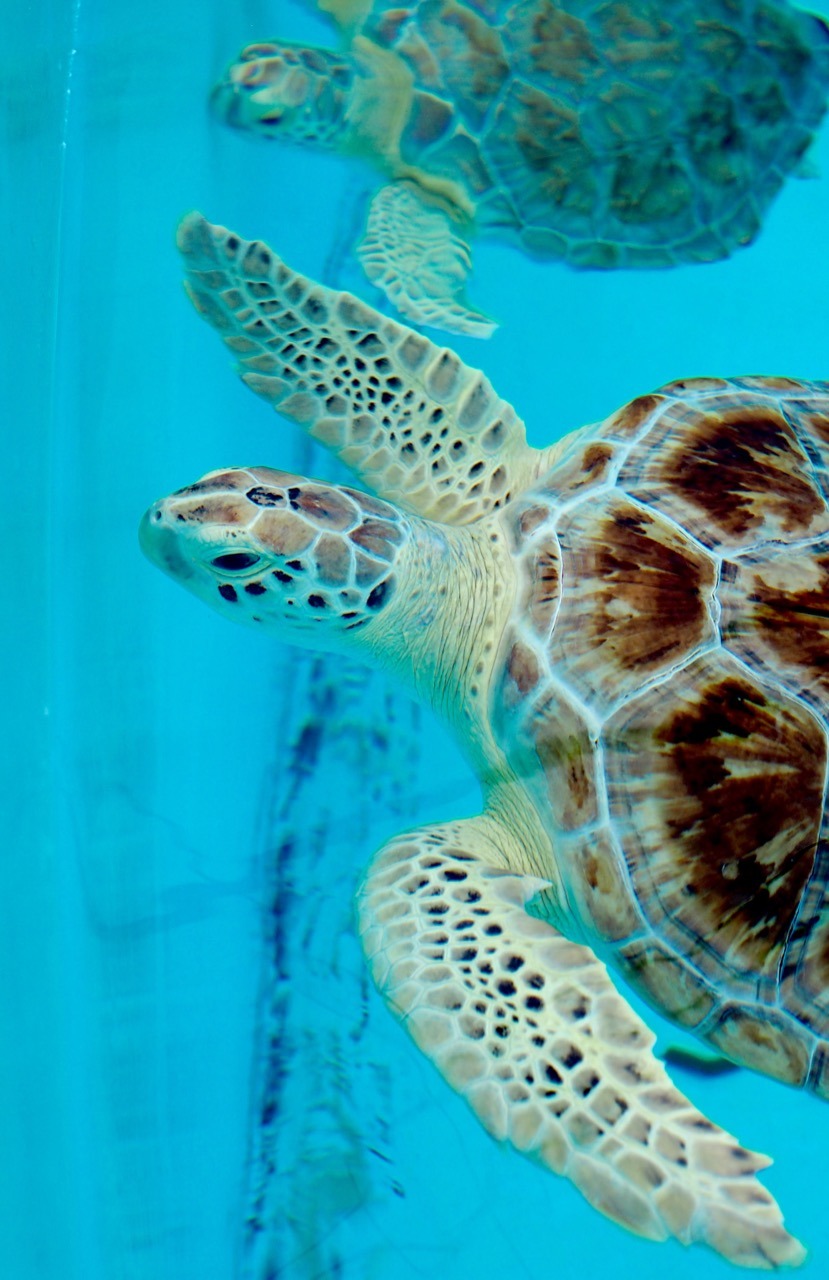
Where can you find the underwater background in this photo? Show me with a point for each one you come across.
(197, 1081)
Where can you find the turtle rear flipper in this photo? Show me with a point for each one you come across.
(527, 1026)
(412, 251)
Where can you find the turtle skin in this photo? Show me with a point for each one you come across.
(663, 691)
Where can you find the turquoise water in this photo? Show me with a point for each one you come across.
(190, 1051)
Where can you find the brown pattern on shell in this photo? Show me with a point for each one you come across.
(471, 56)
(566, 753)
(531, 519)
(731, 472)
(626, 423)
(557, 44)
(283, 533)
(634, 601)
(430, 118)
(770, 383)
(543, 586)
(805, 984)
(764, 1041)
(819, 425)
(775, 614)
(716, 793)
(587, 467)
(521, 673)
(546, 737)
(596, 884)
(666, 981)
(537, 146)
(809, 415)
(638, 35)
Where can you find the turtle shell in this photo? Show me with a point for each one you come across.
(611, 132)
(663, 691)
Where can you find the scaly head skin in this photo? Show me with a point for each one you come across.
(281, 90)
(313, 561)
(328, 567)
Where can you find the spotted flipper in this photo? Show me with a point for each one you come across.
(527, 1026)
(409, 418)
(414, 254)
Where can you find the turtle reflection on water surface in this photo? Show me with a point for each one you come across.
(600, 133)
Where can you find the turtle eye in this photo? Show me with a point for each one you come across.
(235, 560)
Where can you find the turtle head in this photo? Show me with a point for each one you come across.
(287, 91)
(314, 562)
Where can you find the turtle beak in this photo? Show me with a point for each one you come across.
(160, 544)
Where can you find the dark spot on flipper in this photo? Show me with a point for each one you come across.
(282, 577)
(227, 592)
(698, 1064)
(316, 602)
(255, 589)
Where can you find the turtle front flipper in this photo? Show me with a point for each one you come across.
(414, 253)
(527, 1026)
(409, 418)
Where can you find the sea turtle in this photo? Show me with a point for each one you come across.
(628, 633)
(605, 133)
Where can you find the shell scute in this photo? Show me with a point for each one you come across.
(597, 885)
(539, 558)
(635, 600)
(667, 981)
(470, 53)
(549, 45)
(565, 750)
(633, 419)
(775, 615)
(675, 728)
(805, 983)
(550, 742)
(716, 788)
(730, 469)
(764, 1040)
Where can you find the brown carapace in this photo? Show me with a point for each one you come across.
(665, 693)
